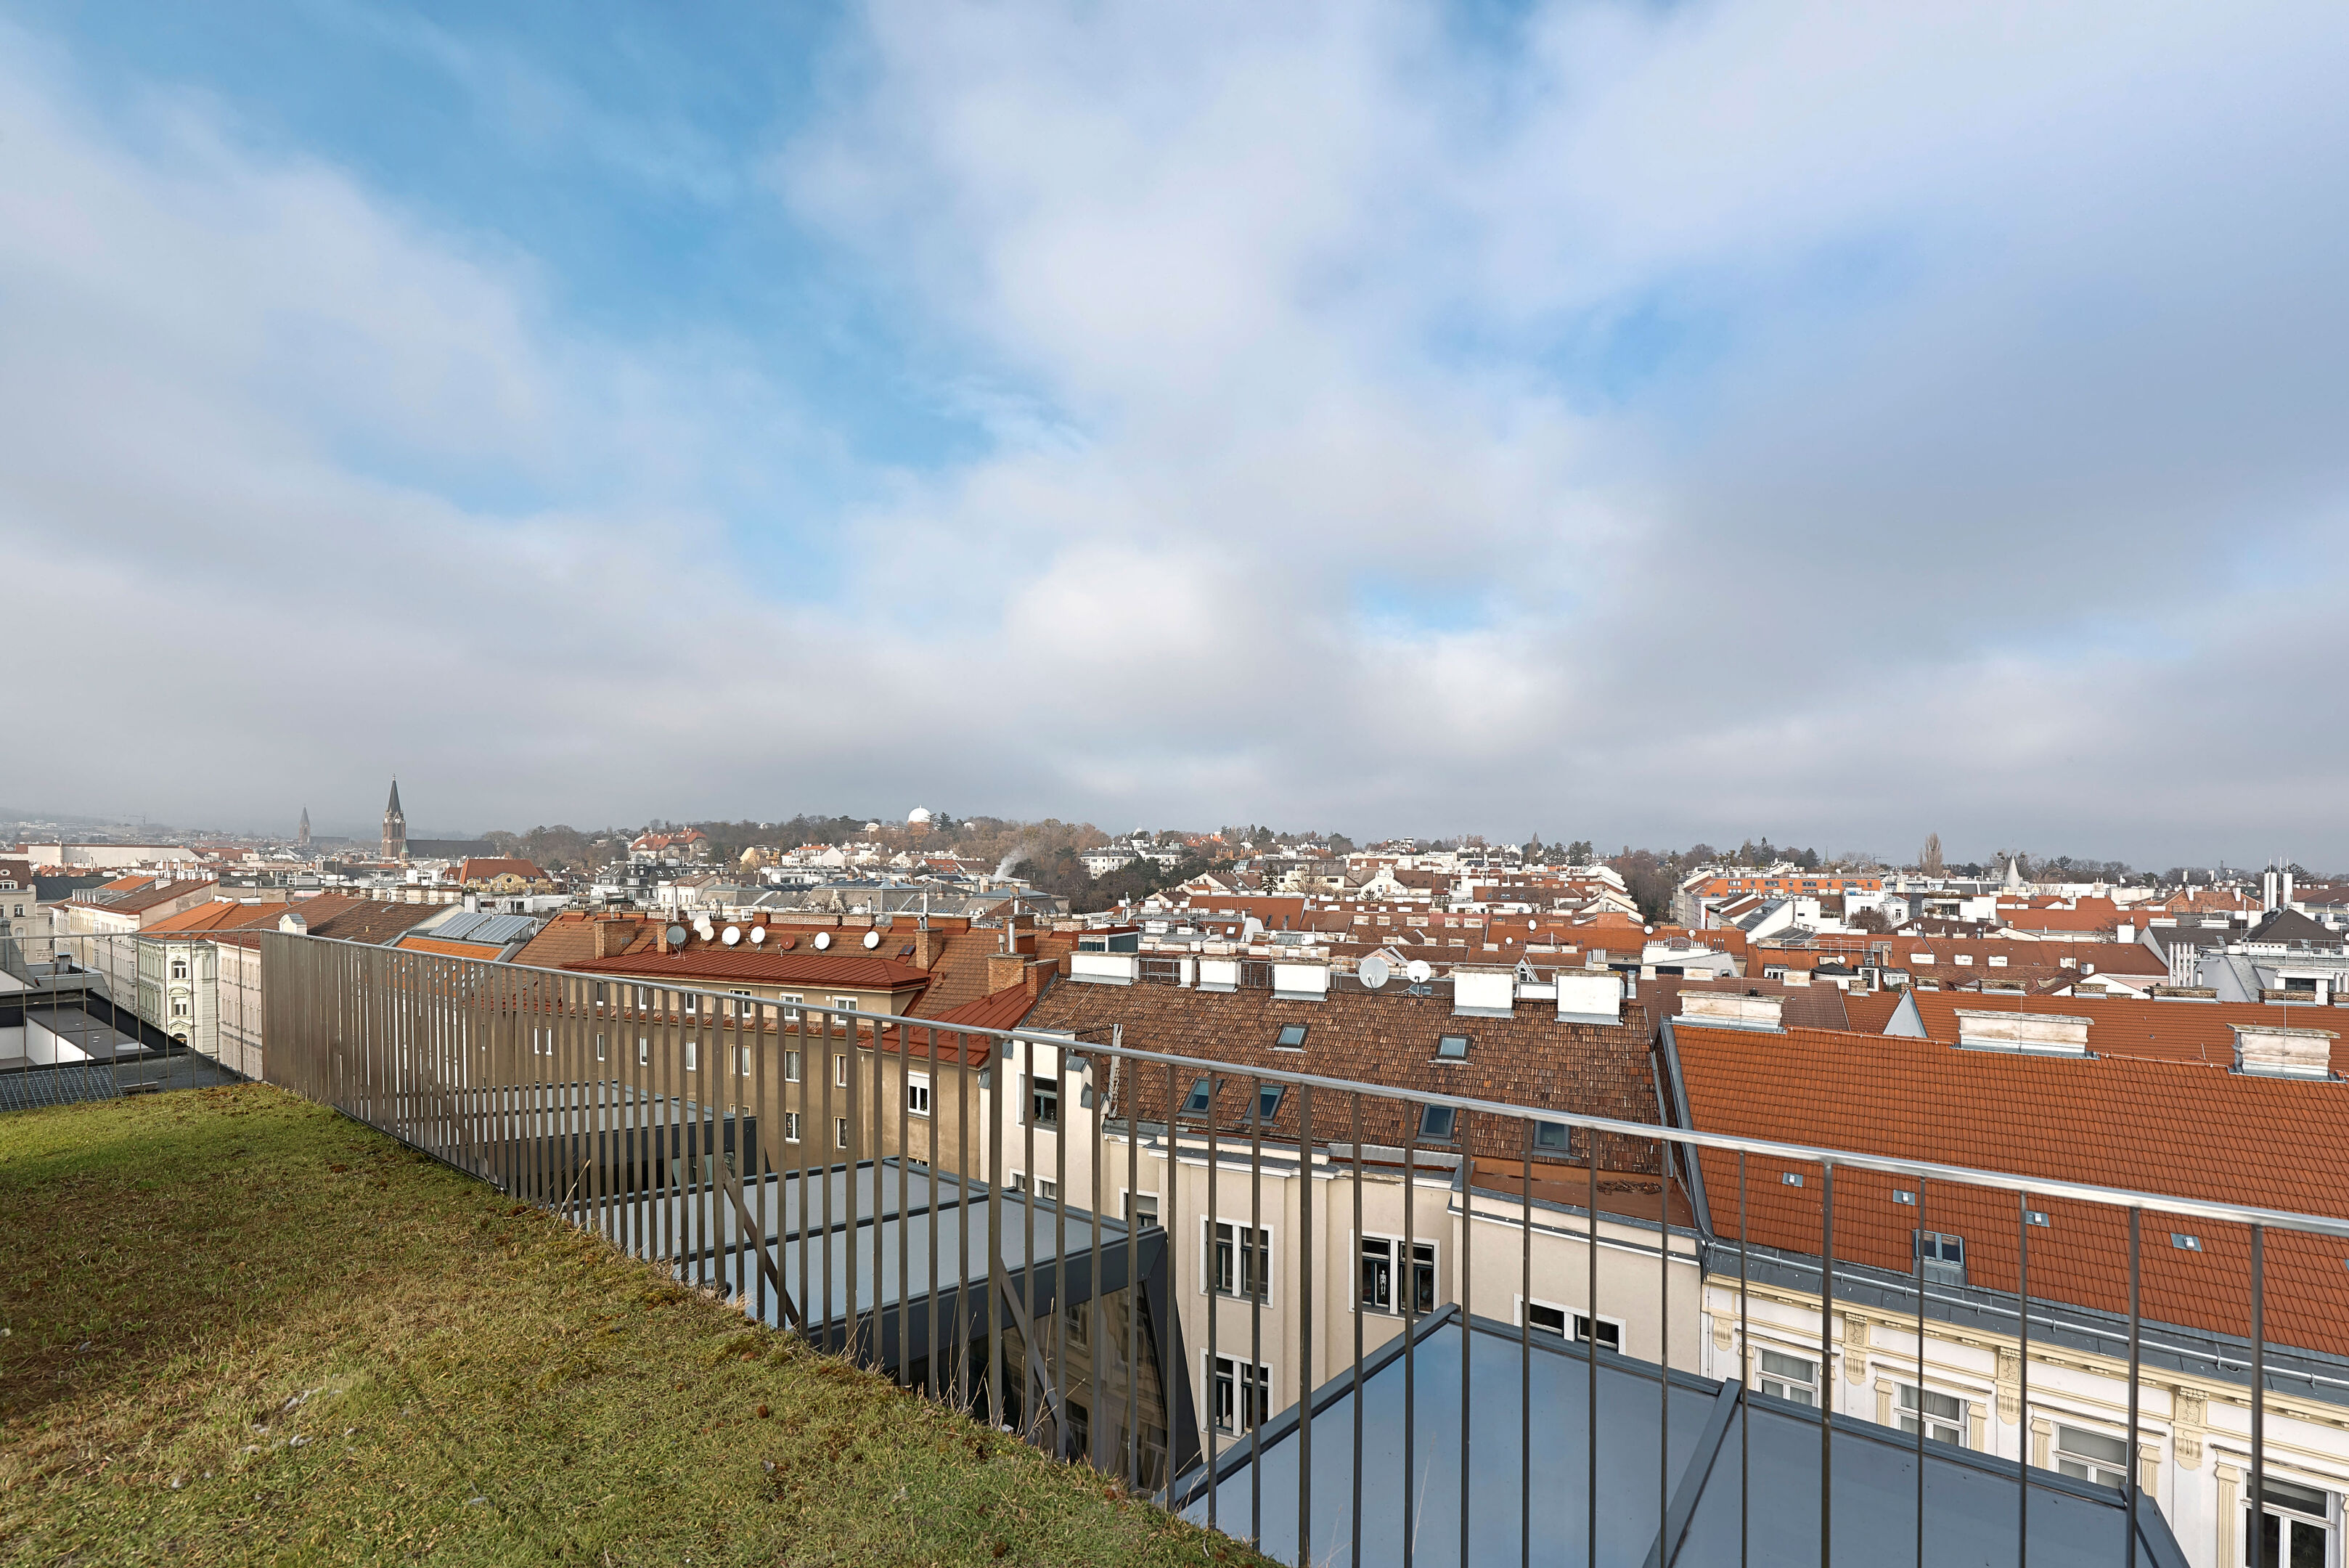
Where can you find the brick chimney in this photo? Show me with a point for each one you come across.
(613, 935)
(1006, 969)
(927, 945)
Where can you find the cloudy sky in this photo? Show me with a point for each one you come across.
(1640, 423)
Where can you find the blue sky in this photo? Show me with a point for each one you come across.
(1645, 424)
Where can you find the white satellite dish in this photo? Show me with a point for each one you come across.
(1373, 971)
(733, 935)
(677, 936)
(823, 940)
(1418, 972)
(872, 938)
(758, 935)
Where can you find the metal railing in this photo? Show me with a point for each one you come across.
(89, 1016)
(1224, 1256)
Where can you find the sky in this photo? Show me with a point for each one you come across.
(1645, 424)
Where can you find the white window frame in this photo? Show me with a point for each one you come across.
(742, 1053)
(840, 1070)
(1262, 1372)
(1433, 1265)
(1905, 1412)
(791, 1066)
(844, 1003)
(1135, 1195)
(599, 1045)
(1572, 1317)
(693, 1055)
(644, 1050)
(1764, 1376)
(790, 1127)
(746, 1004)
(791, 1004)
(1210, 1276)
(840, 1132)
(917, 1095)
(2095, 1465)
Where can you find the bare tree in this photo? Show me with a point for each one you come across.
(1929, 859)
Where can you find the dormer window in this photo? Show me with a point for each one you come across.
(1290, 1037)
(1452, 1048)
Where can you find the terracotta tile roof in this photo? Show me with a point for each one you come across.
(570, 938)
(1869, 1012)
(491, 950)
(721, 964)
(959, 972)
(2178, 1129)
(1383, 1038)
(478, 868)
(2174, 1030)
(1003, 1009)
(361, 919)
(219, 914)
(1819, 1006)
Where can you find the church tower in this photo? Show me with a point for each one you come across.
(395, 828)
(302, 833)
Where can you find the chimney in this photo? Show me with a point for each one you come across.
(926, 945)
(613, 936)
(2271, 1053)
(1732, 1010)
(2046, 1033)
(1007, 969)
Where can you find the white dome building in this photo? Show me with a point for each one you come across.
(920, 814)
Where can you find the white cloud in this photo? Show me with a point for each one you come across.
(1649, 424)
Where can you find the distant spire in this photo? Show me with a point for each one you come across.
(394, 807)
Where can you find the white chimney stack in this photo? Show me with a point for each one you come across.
(2049, 1032)
(1733, 1010)
(2271, 1053)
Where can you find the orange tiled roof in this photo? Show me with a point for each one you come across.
(2179, 1128)
(2175, 1030)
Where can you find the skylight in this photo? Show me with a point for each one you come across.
(1291, 1037)
(1195, 1104)
(1452, 1048)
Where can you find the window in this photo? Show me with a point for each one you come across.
(1290, 1037)
(1942, 1258)
(1267, 1101)
(1378, 1282)
(1142, 1210)
(179, 966)
(1790, 1378)
(791, 1066)
(791, 1006)
(2091, 1457)
(1242, 1261)
(840, 1072)
(790, 1127)
(179, 1007)
(840, 1132)
(644, 1052)
(1195, 1103)
(1243, 1396)
(599, 1047)
(742, 1060)
(693, 1055)
(1545, 1319)
(1942, 1415)
(745, 1004)
(1044, 1099)
(1047, 1187)
(1436, 1122)
(845, 1003)
(1452, 1048)
(1553, 1138)
(917, 1094)
(2292, 1528)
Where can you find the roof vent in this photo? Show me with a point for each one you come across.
(294, 925)
(1483, 992)
(2277, 1053)
(2050, 1033)
(1589, 998)
(1727, 1009)
(1300, 981)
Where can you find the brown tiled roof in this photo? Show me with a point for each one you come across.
(570, 938)
(718, 964)
(1383, 1038)
(219, 914)
(1871, 1010)
(491, 950)
(1003, 1009)
(2182, 1129)
(959, 972)
(146, 893)
(479, 868)
(362, 919)
(2179, 1030)
(1819, 1006)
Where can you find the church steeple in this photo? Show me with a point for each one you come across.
(395, 828)
(302, 833)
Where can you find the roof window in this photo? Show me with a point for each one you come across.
(1290, 1037)
(1436, 1123)
(1452, 1048)
(1267, 1101)
(1195, 1103)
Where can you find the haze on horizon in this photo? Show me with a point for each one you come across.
(1644, 424)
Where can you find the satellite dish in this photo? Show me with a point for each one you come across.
(758, 935)
(823, 940)
(872, 938)
(677, 936)
(733, 935)
(1418, 972)
(1373, 971)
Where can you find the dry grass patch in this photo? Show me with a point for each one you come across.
(239, 1328)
